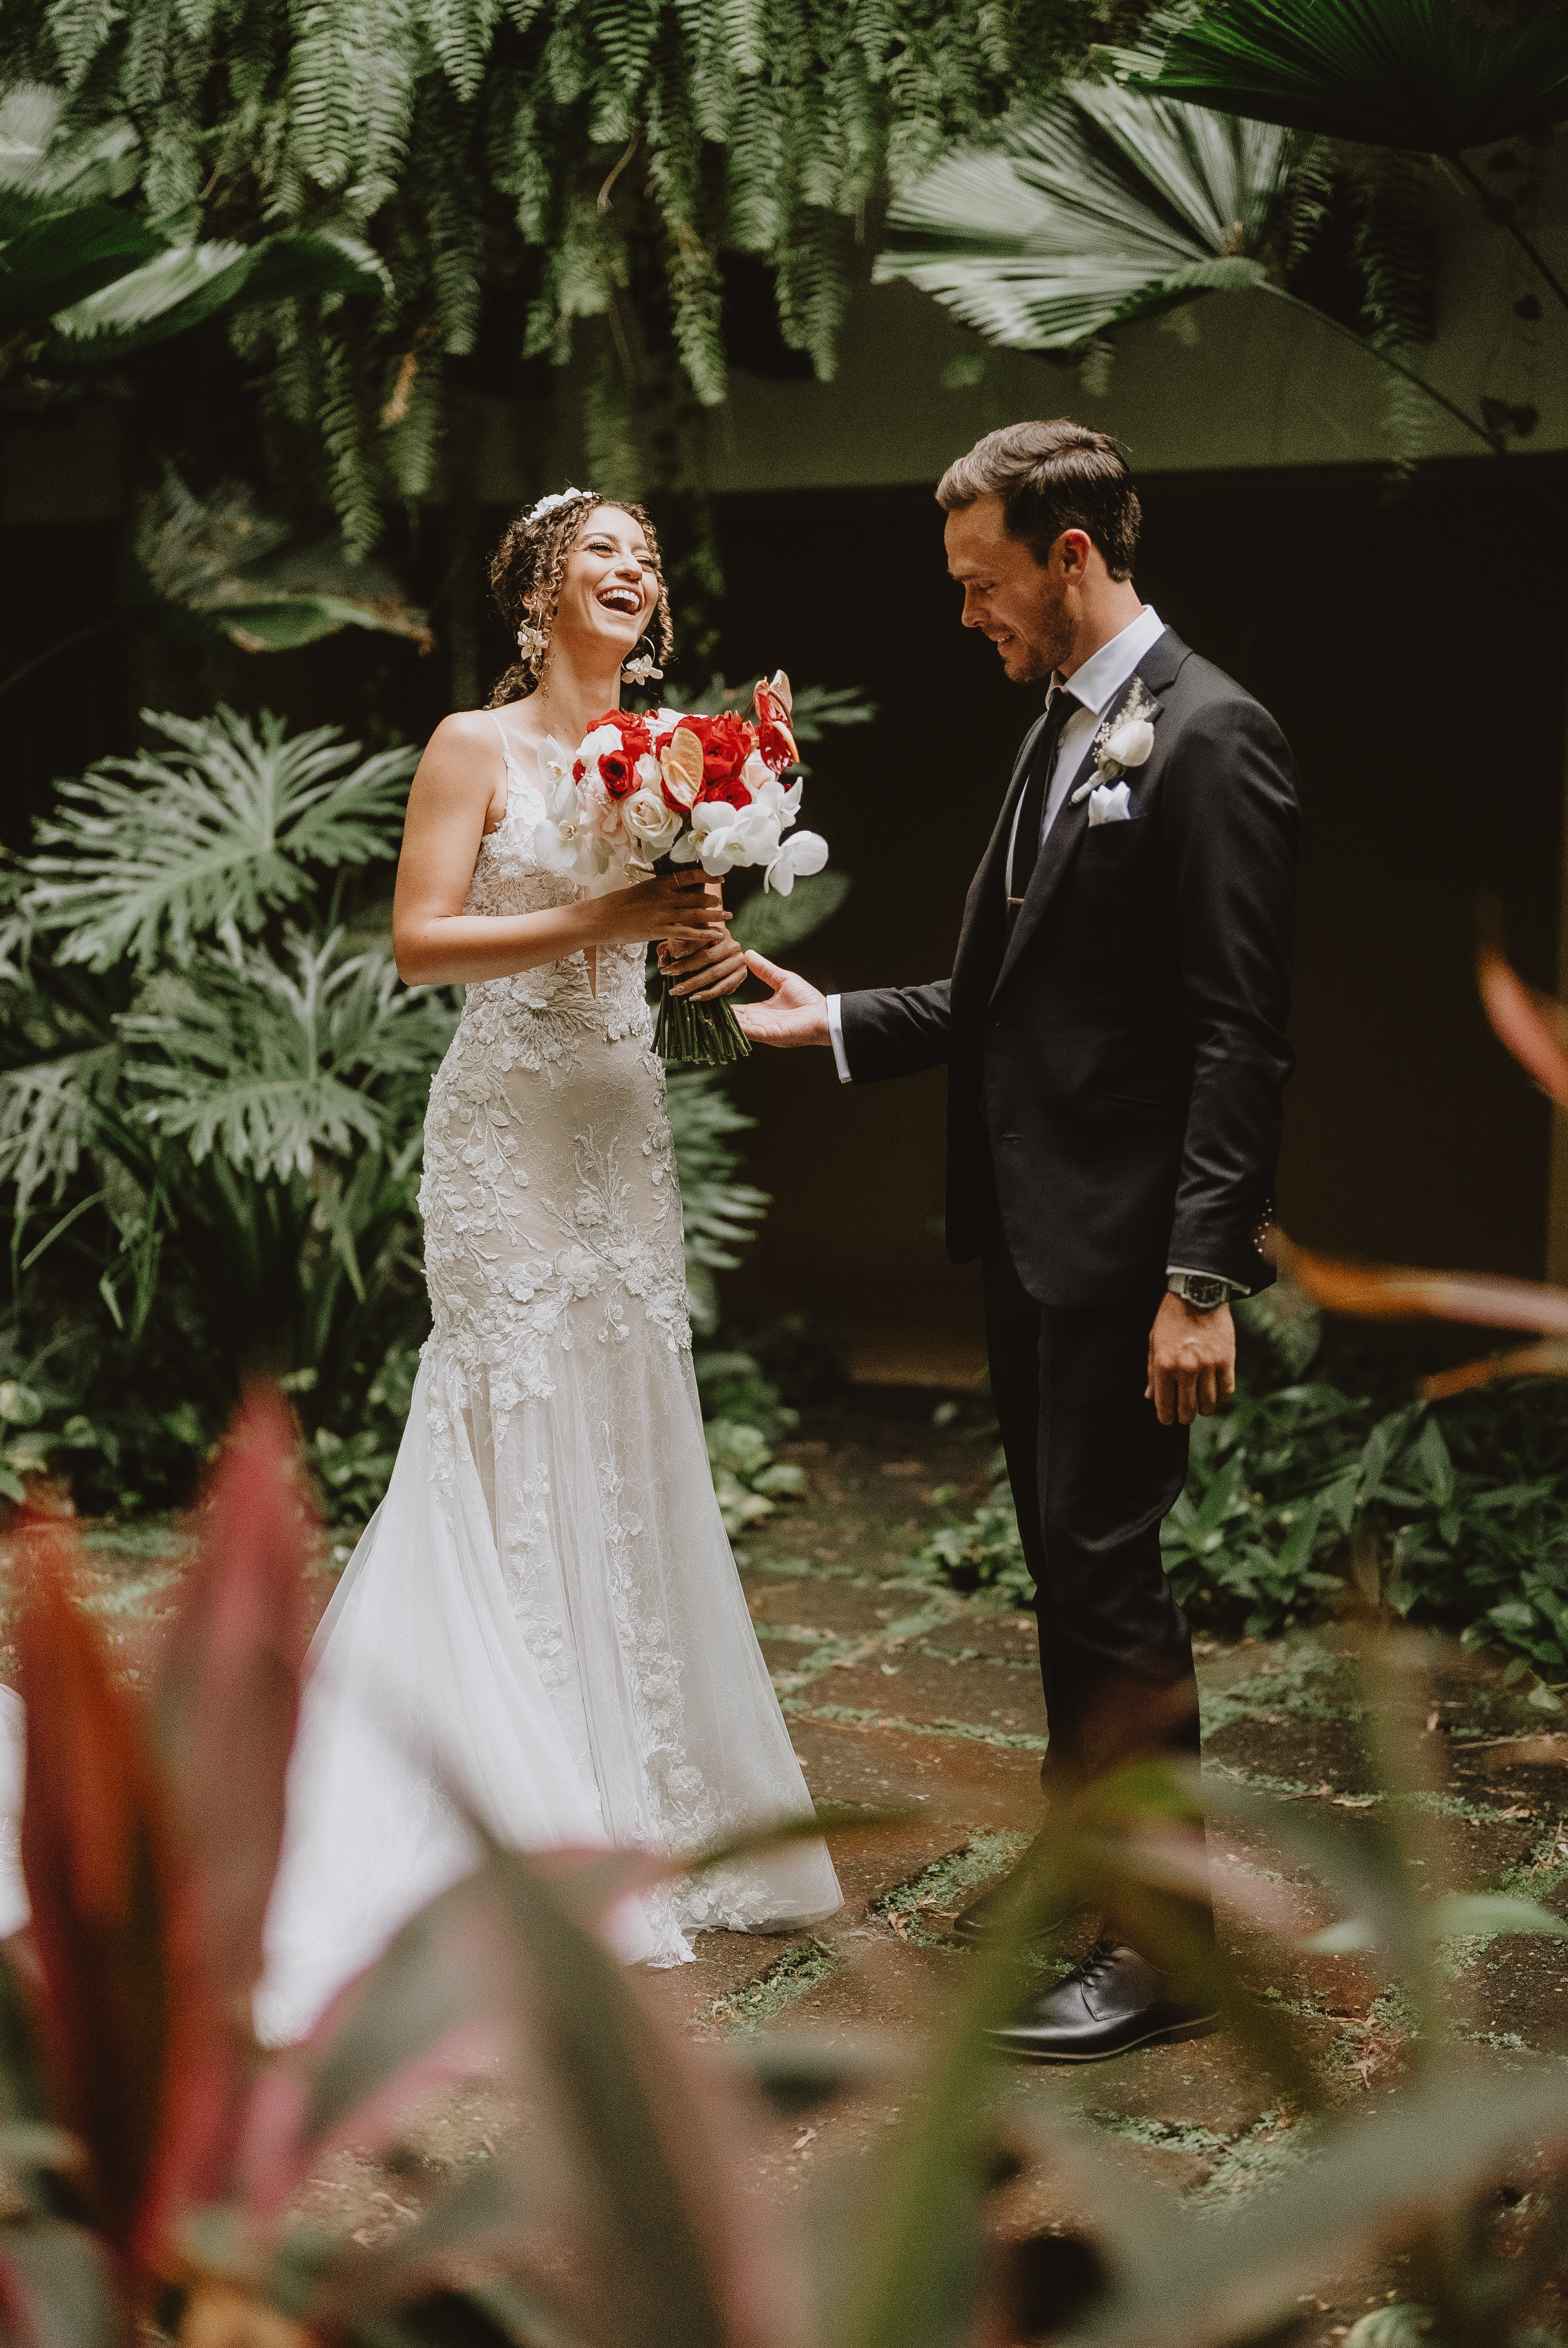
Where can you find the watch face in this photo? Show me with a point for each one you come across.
(1205, 1291)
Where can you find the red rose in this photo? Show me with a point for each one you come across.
(615, 772)
(729, 788)
(727, 743)
(578, 770)
(636, 740)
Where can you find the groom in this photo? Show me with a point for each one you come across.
(1114, 1033)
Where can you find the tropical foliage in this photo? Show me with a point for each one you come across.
(517, 170)
(153, 2151)
(1235, 158)
(213, 1090)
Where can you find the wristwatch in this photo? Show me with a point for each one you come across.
(1200, 1289)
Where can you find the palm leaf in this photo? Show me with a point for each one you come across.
(1416, 74)
(191, 283)
(276, 1063)
(52, 255)
(208, 837)
(219, 558)
(1092, 209)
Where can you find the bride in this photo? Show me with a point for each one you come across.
(543, 1614)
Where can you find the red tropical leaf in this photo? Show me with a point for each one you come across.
(105, 1883)
(228, 1695)
(226, 1706)
(1389, 1291)
(1547, 1361)
(1532, 1024)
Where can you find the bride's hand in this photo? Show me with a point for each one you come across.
(685, 905)
(798, 1014)
(704, 968)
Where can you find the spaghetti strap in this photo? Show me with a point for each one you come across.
(509, 769)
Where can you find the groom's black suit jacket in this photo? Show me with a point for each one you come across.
(1115, 1069)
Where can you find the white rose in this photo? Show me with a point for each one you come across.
(802, 854)
(1131, 742)
(648, 772)
(646, 818)
(595, 744)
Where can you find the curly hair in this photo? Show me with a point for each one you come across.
(526, 572)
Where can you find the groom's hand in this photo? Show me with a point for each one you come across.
(798, 1014)
(1191, 1361)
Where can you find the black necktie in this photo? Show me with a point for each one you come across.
(1031, 807)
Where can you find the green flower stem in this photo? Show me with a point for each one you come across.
(707, 1033)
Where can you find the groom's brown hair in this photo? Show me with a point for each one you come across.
(1051, 478)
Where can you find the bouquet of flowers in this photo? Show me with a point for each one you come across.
(657, 791)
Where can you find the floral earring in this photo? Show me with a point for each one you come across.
(639, 670)
(532, 643)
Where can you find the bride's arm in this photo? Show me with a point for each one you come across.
(437, 944)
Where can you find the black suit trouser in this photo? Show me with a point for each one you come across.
(1093, 1474)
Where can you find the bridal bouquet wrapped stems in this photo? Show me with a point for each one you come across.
(646, 794)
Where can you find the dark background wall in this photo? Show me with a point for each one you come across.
(1412, 647)
(1413, 650)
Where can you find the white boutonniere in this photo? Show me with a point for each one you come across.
(1126, 739)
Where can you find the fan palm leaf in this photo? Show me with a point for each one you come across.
(1415, 74)
(1091, 211)
(276, 1064)
(205, 839)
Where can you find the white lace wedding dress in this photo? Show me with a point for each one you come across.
(543, 1612)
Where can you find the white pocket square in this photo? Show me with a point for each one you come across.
(1109, 803)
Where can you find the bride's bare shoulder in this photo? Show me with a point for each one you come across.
(463, 768)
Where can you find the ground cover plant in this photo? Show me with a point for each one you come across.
(153, 2152)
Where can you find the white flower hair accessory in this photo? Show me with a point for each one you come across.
(557, 498)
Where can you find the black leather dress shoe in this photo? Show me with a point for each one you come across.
(1112, 2003)
(989, 1916)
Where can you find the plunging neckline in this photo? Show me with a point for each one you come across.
(514, 776)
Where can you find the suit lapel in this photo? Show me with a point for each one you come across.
(1157, 668)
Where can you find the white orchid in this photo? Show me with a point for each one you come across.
(649, 821)
(555, 766)
(564, 846)
(768, 793)
(727, 836)
(804, 853)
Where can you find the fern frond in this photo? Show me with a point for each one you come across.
(80, 29)
(147, 55)
(461, 32)
(347, 431)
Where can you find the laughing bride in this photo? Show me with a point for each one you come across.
(543, 1615)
